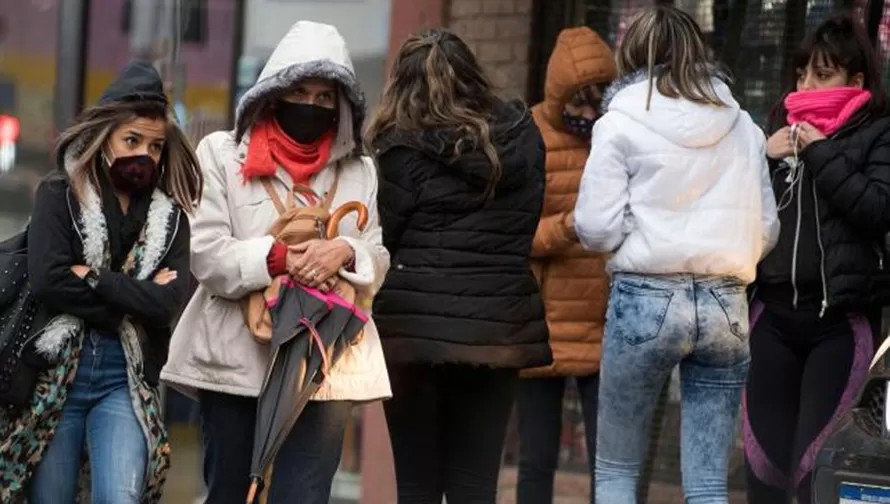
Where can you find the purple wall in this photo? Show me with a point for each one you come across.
(30, 28)
(211, 61)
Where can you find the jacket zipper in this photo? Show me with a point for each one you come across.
(797, 243)
(821, 254)
(880, 254)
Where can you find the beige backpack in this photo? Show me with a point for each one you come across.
(295, 225)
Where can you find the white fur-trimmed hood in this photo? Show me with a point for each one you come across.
(311, 49)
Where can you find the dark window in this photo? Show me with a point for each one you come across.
(192, 20)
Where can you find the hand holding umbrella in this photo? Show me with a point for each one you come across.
(319, 260)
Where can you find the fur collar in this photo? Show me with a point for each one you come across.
(94, 232)
(643, 74)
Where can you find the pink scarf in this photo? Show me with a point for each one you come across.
(826, 109)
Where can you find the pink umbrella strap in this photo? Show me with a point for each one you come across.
(316, 338)
(334, 298)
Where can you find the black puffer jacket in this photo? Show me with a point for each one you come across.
(460, 289)
(846, 183)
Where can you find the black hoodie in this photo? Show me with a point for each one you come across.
(460, 289)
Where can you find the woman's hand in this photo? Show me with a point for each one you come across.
(164, 276)
(779, 146)
(80, 270)
(319, 260)
(808, 134)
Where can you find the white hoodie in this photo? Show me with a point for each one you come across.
(680, 188)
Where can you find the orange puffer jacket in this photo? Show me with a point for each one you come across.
(573, 282)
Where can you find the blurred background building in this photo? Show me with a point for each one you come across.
(56, 56)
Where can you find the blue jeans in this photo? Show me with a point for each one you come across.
(98, 412)
(303, 470)
(654, 323)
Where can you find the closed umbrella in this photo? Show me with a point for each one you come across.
(311, 331)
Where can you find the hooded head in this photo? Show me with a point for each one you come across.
(580, 59)
(130, 138)
(309, 51)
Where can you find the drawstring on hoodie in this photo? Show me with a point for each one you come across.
(795, 181)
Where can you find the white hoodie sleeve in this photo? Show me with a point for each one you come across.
(603, 194)
(226, 266)
(769, 214)
(371, 257)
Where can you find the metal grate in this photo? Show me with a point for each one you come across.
(873, 402)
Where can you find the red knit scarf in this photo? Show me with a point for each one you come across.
(270, 148)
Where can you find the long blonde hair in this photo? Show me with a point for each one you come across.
(669, 44)
(436, 83)
(83, 141)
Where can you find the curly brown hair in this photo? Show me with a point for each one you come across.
(436, 83)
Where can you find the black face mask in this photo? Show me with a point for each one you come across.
(133, 174)
(579, 125)
(303, 122)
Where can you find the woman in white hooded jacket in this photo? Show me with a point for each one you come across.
(677, 187)
(299, 124)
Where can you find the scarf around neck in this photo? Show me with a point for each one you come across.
(826, 109)
(270, 147)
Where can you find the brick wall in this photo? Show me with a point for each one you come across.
(499, 32)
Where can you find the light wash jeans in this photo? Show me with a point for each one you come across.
(98, 412)
(654, 323)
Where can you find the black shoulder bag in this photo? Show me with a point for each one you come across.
(19, 362)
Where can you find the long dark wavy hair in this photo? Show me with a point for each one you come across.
(436, 83)
(182, 179)
(840, 41)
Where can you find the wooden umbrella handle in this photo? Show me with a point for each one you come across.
(342, 211)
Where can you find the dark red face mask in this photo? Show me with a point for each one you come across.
(133, 174)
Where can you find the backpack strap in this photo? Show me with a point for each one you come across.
(332, 191)
(276, 199)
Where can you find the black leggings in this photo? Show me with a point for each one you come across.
(447, 424)
(805, 373)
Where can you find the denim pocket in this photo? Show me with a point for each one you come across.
(734, 303)
(636, 312)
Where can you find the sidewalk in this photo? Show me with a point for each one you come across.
(572, 488)
(183, 484)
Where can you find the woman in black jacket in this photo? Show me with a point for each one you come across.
(108, 259)
(814, 322)
(462, 182)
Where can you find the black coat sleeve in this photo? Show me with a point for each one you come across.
(154, 305)
(860, 192)
(51, 253)
(396, 194)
